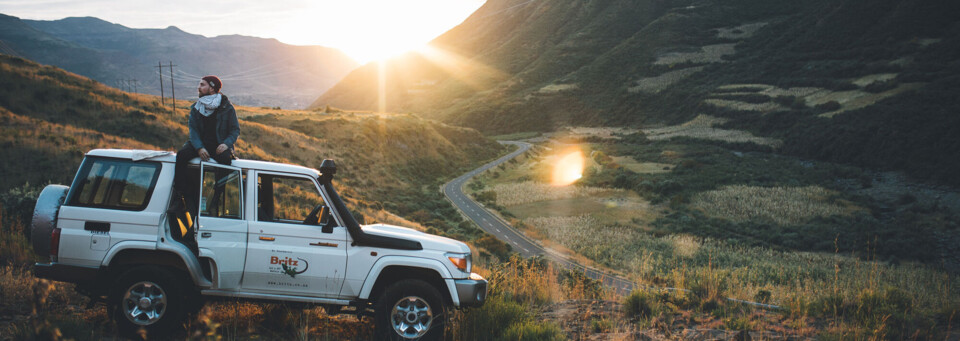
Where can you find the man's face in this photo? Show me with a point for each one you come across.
(205, 89)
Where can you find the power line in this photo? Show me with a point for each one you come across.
(266, 75)
(187, 74)
(242, 73)
(8, 50)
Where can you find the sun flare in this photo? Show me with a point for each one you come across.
(568, 168)
(385, 29)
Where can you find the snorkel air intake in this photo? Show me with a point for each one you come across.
(327, 169)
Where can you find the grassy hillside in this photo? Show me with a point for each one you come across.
(396, 161)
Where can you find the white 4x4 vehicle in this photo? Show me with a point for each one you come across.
(265, 231)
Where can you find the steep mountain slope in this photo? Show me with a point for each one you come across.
(256, 71)
(51, 118)
(867, 82)
(515, 56)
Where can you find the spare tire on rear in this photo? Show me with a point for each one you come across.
(45, 217)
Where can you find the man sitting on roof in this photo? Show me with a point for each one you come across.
(213, 127)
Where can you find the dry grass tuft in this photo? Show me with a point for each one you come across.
(601, 132)
(856, 99)
(658, 83)
(868, 79)
(740, 32)
(630, 163)
(707, 54)
(581, 231)
(743, 106)
(701, 127)
(527, 192)
(783, 205)
(556, 88)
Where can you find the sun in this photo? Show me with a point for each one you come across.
(383, 29)
(568, 168)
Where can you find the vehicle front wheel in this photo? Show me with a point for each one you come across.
(148, 298)
(410, 309)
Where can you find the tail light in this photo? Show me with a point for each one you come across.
(54, 244)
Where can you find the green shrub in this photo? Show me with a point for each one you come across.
(496, 247)
(533, 331)
(487, 197)
(737, 323)
(640, 305)
(492, 320)
(601, 325)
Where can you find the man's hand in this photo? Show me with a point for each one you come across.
(203, 154)
(221, 148)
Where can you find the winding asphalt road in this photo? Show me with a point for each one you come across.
(520, 243)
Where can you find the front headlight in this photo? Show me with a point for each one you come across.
(461, 261)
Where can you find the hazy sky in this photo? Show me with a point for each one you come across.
(364, 29)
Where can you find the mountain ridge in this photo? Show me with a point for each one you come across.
(259, 71)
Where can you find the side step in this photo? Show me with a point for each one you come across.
(273, 297)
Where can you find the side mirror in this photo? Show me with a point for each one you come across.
(324, 220)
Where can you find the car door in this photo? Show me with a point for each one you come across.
(221, 228)
(291, 250)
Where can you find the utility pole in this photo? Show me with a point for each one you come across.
(173, 93)
(134, 83)
(160, 72)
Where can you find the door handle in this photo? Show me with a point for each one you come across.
(206, 235)
(269, 239)
(324, 244)
(96, 226)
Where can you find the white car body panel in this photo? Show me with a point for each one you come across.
(240, 259)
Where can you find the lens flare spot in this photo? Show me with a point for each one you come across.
(568, 168)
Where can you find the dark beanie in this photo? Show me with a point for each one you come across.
(214, 81)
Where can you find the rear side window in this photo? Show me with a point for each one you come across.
(115, 184)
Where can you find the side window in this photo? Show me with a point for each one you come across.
(115, 184)
(288, 199)
(220, 197)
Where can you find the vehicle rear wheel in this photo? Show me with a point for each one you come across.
(147, 298)
(410, 309)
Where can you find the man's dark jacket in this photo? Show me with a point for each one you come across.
(228, 128)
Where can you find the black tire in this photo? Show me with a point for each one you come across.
(148, 299)
(423, 305)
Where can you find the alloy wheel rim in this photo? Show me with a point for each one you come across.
(144, 303)
(411, 317)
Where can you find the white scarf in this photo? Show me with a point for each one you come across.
(207, 104)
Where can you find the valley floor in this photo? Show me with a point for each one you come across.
(845, 252)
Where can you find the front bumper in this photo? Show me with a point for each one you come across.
(472, 291)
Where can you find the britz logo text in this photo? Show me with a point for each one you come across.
(286, 261)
